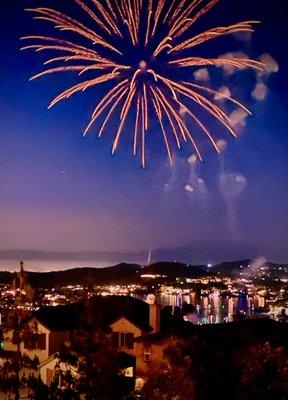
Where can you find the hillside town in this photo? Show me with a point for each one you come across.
(49, 335)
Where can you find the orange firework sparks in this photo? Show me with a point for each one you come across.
(123, 43)
(136, 127)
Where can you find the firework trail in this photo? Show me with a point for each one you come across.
(156, 32)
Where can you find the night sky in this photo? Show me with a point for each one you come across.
(62, 192)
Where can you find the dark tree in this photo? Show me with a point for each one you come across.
(94, 361)
(171, 381)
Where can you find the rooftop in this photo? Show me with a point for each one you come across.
(99, 311)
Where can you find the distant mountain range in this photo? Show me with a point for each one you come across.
(125, 273)
(204, 252)
(175, 269)
(198, 252)
(119, 274)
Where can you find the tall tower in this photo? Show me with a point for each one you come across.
(21, 267)
(22, 276)
(24, 291)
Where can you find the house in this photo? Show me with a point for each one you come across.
(129, 325)
(44, 337)
(123, 319)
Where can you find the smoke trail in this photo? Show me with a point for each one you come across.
(231, 185)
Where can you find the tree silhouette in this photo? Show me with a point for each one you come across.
(93, 361)
(171, 381)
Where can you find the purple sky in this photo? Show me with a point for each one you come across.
(61, 192)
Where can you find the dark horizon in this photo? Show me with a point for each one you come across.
(43, 261)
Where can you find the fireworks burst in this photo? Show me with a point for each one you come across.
(158, 30)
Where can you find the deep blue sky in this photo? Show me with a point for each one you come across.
(59, 191)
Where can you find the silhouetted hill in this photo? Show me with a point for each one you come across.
(229, 268)
(6, 277)
(175, 269)
(251, 269)
(117, 274)
(121, 273)
(125, 273)
(201, 251)
(195, 253)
